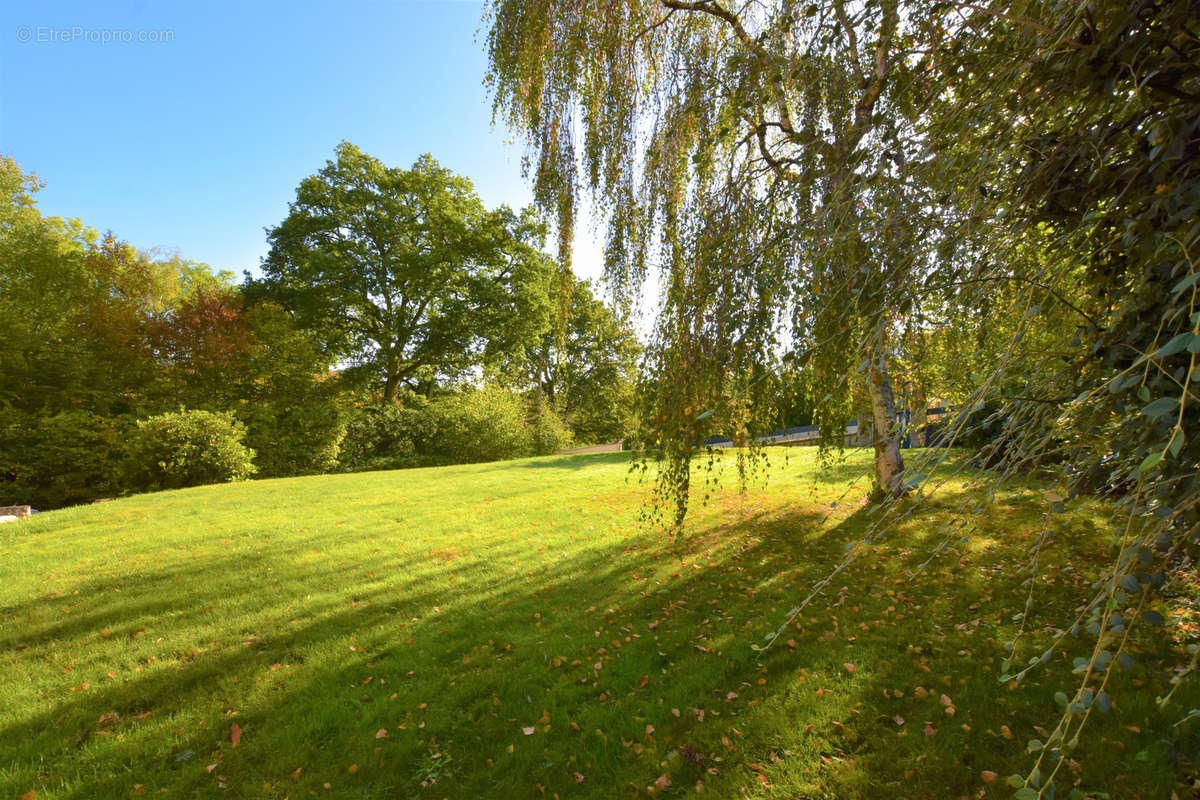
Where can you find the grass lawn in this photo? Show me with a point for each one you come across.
(510, 630)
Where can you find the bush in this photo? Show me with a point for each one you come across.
(385, 437)
(188, 448)
(486, 424)
(480, 425)
(547, 432)
(60, 460)
(303, 437)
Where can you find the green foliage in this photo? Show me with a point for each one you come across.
(404, 273)
(187, 448)
(548, 433)
(995, 206)
(386, 436)
(763, 158)
(487, 424)
(64, 458)
(585, 365)
(218, 353)
(287, 399)
(95, 334)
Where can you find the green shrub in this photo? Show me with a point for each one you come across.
(385, 437)
(487, 424)
(188, 448)
(479, 425)
(60, 460)
(547, 432)
(300, 438)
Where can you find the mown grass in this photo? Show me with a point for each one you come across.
(511, 630)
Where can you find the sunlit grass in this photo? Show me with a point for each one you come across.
(512, 630)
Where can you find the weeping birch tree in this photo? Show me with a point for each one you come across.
(823, 179)
(759, 157)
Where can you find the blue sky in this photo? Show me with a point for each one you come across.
(196, 142)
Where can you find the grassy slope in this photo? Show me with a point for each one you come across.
(398, 634)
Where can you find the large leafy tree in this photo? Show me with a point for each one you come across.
(76, 354)
(95, 335)
(403, 274)
(218, 353)
(902, 178)
(763, 155)
(585, 366)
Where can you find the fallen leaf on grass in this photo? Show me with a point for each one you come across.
(989, 776)
(579, 777)
(211, 767)
(381, 733)
(235, 734)
(528, 731)
(663, 781)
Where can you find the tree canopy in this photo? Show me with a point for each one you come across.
(584, 366)
(403, 273)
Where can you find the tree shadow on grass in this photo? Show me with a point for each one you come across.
(577, 461)
(514, 678)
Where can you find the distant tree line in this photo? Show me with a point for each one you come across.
(396, 322)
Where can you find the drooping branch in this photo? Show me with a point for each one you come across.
(715, 9)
